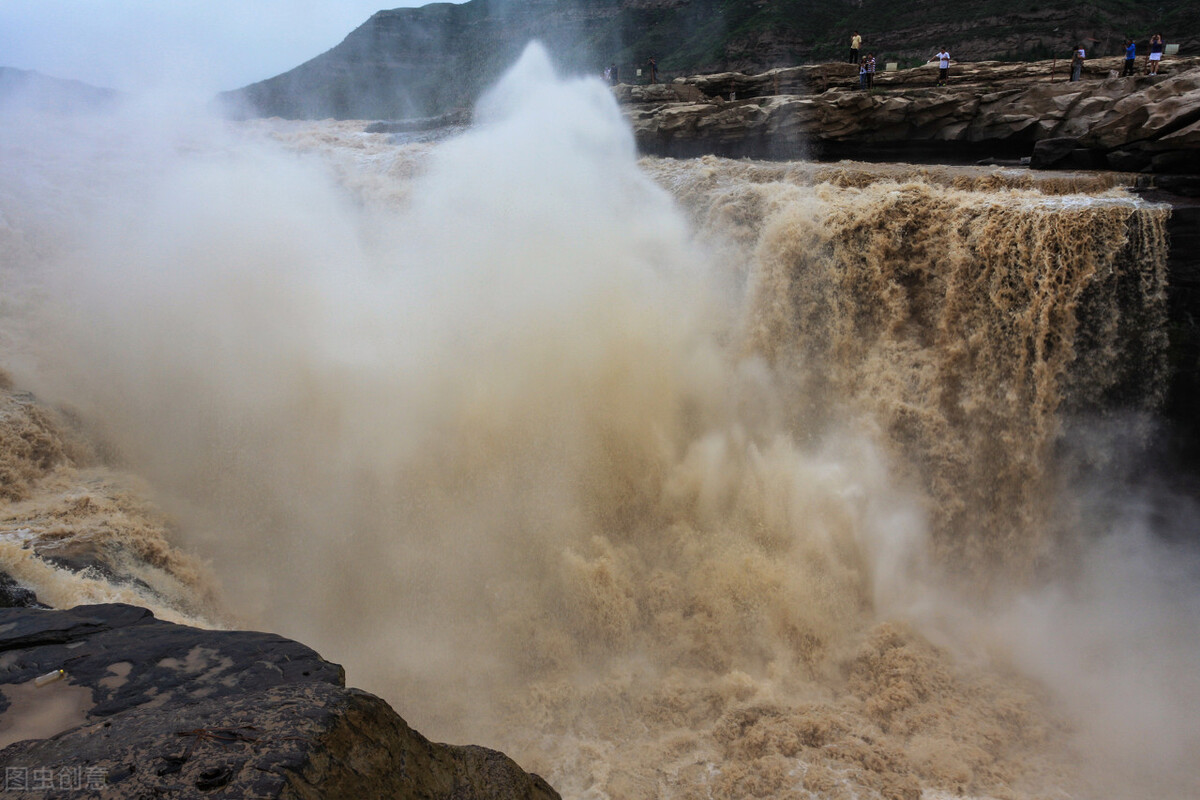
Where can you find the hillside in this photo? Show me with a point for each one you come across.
(21, 88)
(412, 62)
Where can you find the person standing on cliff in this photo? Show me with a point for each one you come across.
(1130, 57)
(862, 73)
(943, 59)
(653, 65)
(855, 44)
(1077, 63)
(870, 71)
(1156, 54)
(613, 76)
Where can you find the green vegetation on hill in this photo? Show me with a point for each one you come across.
(723, 34)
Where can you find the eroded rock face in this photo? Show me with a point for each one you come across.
(145, 708)
(1149, 124)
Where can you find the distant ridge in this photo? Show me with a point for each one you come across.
(29, 89)
(421, 62)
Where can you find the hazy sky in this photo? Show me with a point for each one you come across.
(205, 44)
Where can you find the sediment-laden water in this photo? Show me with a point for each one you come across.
(680, 479)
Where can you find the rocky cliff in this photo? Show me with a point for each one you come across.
(108, 700)
(413, 62)
(1144, 123)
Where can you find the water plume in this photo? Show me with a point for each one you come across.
(655, 500)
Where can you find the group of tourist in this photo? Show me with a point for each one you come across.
(613, 75)
(866, 64)
(866, 71)
(1157, 47)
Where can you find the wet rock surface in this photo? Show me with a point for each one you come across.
(146, 708)
(14, 595)
(1183, 309)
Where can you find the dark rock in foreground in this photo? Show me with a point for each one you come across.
(145, 708)
(14, 595)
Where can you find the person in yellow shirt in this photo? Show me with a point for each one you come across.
(855, 43)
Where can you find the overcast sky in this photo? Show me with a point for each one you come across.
(203, 44)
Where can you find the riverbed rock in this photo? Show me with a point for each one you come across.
(1051, 152)
(14, 595)
(106, 701)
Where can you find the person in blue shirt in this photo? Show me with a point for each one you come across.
(1130, 56)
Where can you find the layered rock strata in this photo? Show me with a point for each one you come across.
(1145, 123)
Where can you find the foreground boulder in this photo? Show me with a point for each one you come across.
(106, 701)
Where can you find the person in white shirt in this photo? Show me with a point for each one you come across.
(943, 59)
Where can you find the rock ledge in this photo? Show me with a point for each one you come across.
(146, 708)
(1147, 124)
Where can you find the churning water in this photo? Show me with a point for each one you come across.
(668, 478)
